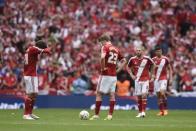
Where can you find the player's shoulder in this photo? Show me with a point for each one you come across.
(165, 57)
(112, 47)
(32, 48)
(154, 58)
(132, 58)
(147, 57)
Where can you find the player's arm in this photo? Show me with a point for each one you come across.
(37, 50)
(122, 64)
(46, 50)
(129, 69)
(152, 70)
(169, 69)
(103, 55)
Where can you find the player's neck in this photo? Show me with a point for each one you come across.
(159, 56)
(140, 57)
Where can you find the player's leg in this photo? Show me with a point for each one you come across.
(144, 92)
(164, 88)
(31, 90)
(98, 103)
(27, 108)
(163, 97)
(112, 104)
(139, 102)
(144, 103)
(98, 100)
(27, 98)
(160, 103)
(157, 87)
(139, 98)
(33, 98)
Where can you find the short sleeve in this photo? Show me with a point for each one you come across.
(150, 61)
(120, 57)
(130, 62)
(167, 61)
(103, 51)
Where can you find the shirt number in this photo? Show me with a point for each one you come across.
(112, 58)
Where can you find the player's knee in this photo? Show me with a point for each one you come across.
(162, 92)
(98, 96)
(112, 97)
(144, 95)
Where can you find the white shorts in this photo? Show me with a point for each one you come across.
(141, 87)
(107, 84)
(31, 84)
(160, 85)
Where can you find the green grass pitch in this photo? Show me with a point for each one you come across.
(67, 120)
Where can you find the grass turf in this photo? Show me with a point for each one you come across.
(67, 120)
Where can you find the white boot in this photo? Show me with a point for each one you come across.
(28, 117)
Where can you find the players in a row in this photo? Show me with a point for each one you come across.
(142, 70)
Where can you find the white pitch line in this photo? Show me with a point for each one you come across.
(101, 124)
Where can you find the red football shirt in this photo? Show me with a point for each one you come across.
(161, 70)
(31, 58)
(112, 55)
(141, 67)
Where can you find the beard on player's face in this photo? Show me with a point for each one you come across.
(139, 54)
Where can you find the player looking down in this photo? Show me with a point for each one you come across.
(141, 68)
(110, 55)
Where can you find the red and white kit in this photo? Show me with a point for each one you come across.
(140, 68)
(107, 80)
(30, 71)
(160, 82)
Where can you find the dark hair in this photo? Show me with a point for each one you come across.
(41, 44)
(104, 37)
(157, 48)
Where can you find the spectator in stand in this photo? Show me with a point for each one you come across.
(62, 86)
(123, 86)
(10, 81)
(185, 79)
(72, 27)
(80, 85)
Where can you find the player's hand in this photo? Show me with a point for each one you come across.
(48, 50)
(170, 82)
(152, 78)
(104, 69)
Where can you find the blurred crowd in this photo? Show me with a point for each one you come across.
(71, 28)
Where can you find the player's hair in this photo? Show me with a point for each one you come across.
(139, 47)
(40, 44)
(104, 37)
(157, 48)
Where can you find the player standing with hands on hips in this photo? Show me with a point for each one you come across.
(163, 72)
(30, 76)
(141, 70)
(110, 55)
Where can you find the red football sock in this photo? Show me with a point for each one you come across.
(97, 107)
(112, 103)
(140, 104)
(32, 105)
(144, 103)
(27, 105)
(161, 105)
(165, 103)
